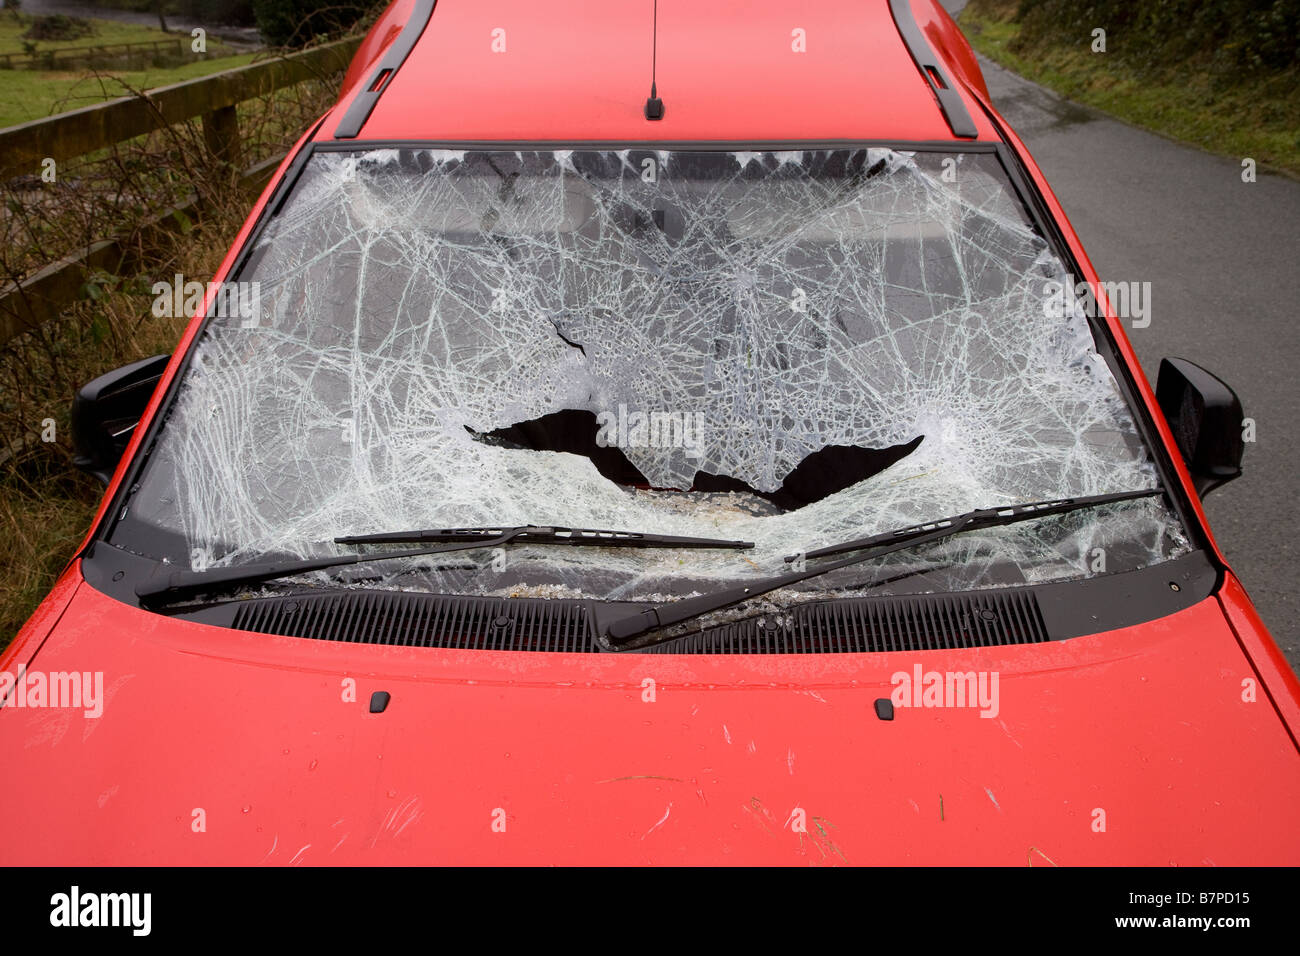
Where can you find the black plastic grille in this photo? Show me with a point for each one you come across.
(912, 623)
(423, 620)
(908, 623)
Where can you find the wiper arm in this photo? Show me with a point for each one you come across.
(980, 518)
(183, 584)
(620, 632)
(528, 534)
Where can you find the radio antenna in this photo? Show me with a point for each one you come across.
(654, 106)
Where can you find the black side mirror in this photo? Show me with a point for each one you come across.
(105, 413)
(1206, 419)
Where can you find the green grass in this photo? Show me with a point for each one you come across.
(1236, 116)
(46, 505)
(33, 94)
(107, 32)
(42, 524)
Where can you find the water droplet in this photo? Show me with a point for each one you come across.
(247, 808)
(312, 765)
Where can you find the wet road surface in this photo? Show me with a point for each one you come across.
(1221, 256)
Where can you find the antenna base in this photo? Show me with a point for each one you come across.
(654, 108)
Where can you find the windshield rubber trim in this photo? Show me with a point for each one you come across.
(676, 146)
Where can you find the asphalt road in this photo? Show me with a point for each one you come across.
(1221, 256)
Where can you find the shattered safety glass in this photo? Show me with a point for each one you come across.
(790, 348)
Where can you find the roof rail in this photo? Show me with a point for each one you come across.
(384, 72)
(950, 101)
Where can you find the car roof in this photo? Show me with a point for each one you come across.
(580, 70)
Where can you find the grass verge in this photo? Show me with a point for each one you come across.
(46, 505)
(1233, 113)
(38, 517)
(107, 32)
(27, 95)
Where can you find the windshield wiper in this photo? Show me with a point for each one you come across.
(620, 633)
(183, 584)
(592, 537)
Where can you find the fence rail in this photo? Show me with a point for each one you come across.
(47, 292)
(67, 54)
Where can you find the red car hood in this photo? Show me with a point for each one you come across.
(224, 747)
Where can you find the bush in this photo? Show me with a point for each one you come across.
(294, 22)
(237, 12)
(1250, 35)
(59, 27)
(206, 12)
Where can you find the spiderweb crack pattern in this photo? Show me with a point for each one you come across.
(790, 300)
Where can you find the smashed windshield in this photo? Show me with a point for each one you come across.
(790, 348)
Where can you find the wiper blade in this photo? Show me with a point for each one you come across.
(178, 585)
(620, 633)
(530, 534)
(980, 518)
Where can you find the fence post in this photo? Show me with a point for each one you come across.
(42, 295)
(221, 134)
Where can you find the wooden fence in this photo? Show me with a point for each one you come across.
(64, 56)
(50, 290)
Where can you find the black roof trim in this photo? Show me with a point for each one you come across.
(385, 70)
(932, 71)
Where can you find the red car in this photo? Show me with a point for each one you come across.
(618, 437)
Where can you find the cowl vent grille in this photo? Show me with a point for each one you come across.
(912, 623)
(422, 620)
(908, 623)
